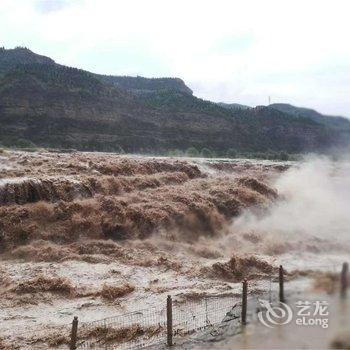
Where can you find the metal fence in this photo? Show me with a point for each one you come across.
(131, 330)
(171, 322)
(149, 326)
(175, 320)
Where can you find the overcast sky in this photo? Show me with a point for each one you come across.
(233, 51)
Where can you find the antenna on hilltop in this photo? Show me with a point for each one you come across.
(269, 100)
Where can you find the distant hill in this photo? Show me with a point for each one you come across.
(51, 105)
(233, 106)
(140, 85)
(332, 121)
(20, 55)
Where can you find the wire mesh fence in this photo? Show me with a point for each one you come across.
(130, 331)
(210, 315)
(149, 327)
(196, 315)
(213, 314)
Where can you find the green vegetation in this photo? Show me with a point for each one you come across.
(207, 153)
(98, 146)
(192, 152)
(9, 59)
(67, 77)
(339, 123)
(231, 153)
(178, 101)
(269, 155)
(145, 85)
(175, 153)
(17, 143)
(53, 106)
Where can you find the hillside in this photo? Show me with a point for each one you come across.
(20, 55)
(50, 105)
(332, 121)
(140, 85)
(233, 106)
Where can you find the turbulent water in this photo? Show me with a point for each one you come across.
(315, 200)
(100, 234)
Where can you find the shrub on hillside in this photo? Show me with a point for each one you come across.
(207, 153)
(192, 152)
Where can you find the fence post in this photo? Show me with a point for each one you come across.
(344, 279)
(281, 283)
(244, 302)
(169, 320)
(74, 334)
